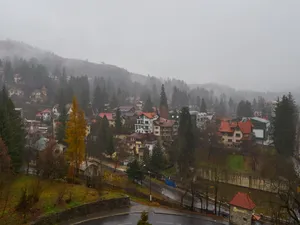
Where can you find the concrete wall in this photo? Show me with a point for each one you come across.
(83, 210)
(239, 216)
(239, 179)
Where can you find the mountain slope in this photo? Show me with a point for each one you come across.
(13, 49)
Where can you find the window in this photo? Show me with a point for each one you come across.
(156, 132)
(146, 122)
(230, 140)
(244, 219)
(238, 135)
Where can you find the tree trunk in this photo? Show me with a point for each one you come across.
(193, 196)
(182, 197)
(216, 198)
(206, 199)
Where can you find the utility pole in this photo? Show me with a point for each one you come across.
(150, 195)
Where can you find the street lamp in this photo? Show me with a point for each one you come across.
(150, 192)
(150, 196)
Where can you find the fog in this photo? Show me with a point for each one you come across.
(250, 44)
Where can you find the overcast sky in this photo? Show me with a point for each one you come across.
(252, 44)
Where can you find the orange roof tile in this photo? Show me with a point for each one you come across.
(246, 127)
(242, 200)
(149, 115)
(225, 127)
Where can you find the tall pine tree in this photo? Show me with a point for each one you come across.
(11, 130)
(148, 107)
(164, 109)
(203, 106)
(284, 125)
(118, 121)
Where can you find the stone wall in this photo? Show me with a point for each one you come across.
(240, 179)
(83, 210)
(239, 216)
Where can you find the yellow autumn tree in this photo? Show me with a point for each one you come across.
(75, 135)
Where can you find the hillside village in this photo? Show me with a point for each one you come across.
(143, 127)
(132, 123)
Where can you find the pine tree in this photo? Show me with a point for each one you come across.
(114, 102)
(203, 106)
(198, 103)
(148, 107)
(97, 100)
(61, 129)
(244, 109)
(186, 142)
(164, 110)
(110, 149)
(11, 130)
(231, 105)
(157, 160)
(284, 126)
(75, 137)
(118, 121)
(221, 109)
(144, 219)
(134, 170)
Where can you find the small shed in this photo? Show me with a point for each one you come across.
(241, 209)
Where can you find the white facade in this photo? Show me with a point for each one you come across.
(144, 124)
(201, 118)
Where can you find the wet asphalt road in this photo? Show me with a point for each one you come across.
(154, 219)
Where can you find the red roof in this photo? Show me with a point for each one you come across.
(225, 127)
(246, 127)
(149, 115)
(46, 111)
(38, 114)
(242, 200)
(109, 116)
(228, 127)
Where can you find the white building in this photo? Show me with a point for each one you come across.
(144, 123)
(200, 118)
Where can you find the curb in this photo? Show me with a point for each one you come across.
(106, 216)
(191, 216)
(139, 212)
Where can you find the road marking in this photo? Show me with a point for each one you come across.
(163, 222)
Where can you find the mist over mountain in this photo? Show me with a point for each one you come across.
(76, 67)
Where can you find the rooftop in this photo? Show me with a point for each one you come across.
(242, 200)
(109, 116)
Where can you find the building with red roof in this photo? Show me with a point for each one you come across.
(234, 133)
(111, 118)
(144, 122)
(241, 209)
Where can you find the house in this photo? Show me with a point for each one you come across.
(44, 115)
(262, 130)
(200, 119)
(39, 95)
(139, 105)
(233, 134)
(144, 122)
(165, 128)
(15, 92)
(126, 111)
(138, 142)
(17, 78)
(20, 112)
(241, 209)
(55, 111)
